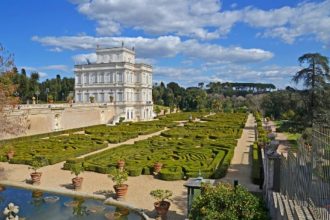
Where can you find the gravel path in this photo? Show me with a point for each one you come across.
(240, 167)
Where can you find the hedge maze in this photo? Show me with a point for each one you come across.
(72, 144)
(205, 147)
(199, 147)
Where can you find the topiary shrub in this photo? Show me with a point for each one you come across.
(146, 171)
(225, 202)
(134, 171)
(174, 173)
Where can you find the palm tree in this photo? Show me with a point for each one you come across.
(314, 75)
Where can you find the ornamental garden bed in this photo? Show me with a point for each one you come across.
(62, 147)
(205, 148)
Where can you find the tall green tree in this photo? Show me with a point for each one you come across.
(314, 76)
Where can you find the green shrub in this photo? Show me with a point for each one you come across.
(225, 202)
(134, 171)
(174, 173)
(256, 179)
(146, 171)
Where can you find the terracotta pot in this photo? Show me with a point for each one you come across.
(162, 207)
(77, 182)
(121, 190)
(157, 167)
(35, 177)
(121, 164)
(10, 154)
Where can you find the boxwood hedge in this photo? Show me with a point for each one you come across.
(204, 148)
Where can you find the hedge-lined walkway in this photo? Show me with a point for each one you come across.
(240, 167)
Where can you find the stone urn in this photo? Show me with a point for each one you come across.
(157, 167)
(77, 182)
(36, 177)
(121, 190)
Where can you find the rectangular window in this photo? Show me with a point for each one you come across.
(120, 96)
(119, 77)
(102, 97)
(86, 97)
(111, 77)
(86, 80)
(102, 78)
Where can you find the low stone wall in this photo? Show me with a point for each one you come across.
(54, 117)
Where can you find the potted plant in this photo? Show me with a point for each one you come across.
(121, 164)
(76, 169)
(92, 99)
(50, 98)
(37, 162)
(161, 205)
(111, 98)
(119, 178)
(157, 167)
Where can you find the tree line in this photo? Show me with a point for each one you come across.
(216, 96)
(58, 89)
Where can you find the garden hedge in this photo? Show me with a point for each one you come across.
(204, 148)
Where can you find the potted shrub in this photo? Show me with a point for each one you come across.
(157, 167)
(92, 99)
(161, 205)
(111, 98)
(121, 164)
(76, 169)
(37, 162)
(119, 178)
(50, 98)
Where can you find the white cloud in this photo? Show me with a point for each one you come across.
(163, 46)
(205, 19)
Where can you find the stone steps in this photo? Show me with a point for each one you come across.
(289, 210)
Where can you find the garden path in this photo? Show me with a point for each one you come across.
(130, 141)
(240, 166)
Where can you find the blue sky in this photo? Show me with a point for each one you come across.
(186, 41)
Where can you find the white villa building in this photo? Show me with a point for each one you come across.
(115, 79)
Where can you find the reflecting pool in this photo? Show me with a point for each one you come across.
(38, 205)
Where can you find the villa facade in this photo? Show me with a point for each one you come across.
(116, 79)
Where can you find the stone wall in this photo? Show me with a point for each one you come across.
(48, 118)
